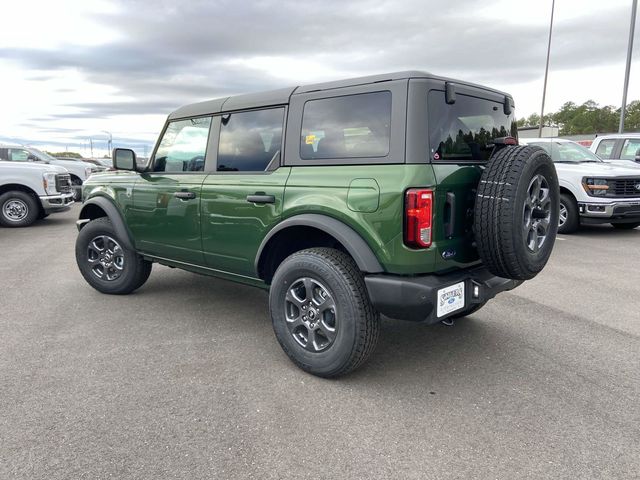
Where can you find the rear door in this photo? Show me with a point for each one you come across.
(165, 218)
(242, 200)
(460, 135)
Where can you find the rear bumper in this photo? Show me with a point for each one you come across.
(56, 203)
(416, 298)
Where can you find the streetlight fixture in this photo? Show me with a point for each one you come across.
(632, 28)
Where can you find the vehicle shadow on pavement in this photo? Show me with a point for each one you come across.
(405, 348)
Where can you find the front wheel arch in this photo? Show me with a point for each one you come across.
(102, 207)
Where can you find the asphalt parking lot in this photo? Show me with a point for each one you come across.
(184, 378)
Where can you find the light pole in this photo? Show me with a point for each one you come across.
(546, 69)
(109, 142)
(632, 27)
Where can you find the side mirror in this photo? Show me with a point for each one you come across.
(32, 158)
(638, 155)
(124, 159)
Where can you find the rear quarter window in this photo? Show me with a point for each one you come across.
(350, 126)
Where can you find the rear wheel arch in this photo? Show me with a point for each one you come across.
(308, 231)
(98, 207)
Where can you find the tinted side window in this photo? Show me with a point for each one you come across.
(183, 146)
(630, 149)
(249, 141)
(605, 147)
(352, 126)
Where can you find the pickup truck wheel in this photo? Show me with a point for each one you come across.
(321, 313)
(76, 186)
(516, 212)
(18, 209)
(625, 226)
(568, 219)
(105, 263)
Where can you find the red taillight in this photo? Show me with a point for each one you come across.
(418, 210)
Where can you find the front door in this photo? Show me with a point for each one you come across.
(242, 201)
(165, 218)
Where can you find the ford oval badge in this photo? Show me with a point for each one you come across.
(447, 254)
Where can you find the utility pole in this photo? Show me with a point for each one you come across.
(109, 142)
(632, 27)
(546, 69)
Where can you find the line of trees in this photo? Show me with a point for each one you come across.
(587, 118)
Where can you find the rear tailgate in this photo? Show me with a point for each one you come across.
(461, 134)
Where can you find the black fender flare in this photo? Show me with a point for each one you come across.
(113, 214)
(347, 236)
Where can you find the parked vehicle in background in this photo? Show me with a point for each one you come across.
(98, 167)
(618, 148)
(592, 191)
(29, 191)
(78, 170)
(403, 194)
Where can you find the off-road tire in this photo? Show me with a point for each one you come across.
(625, 226)
(20, 200)
(572, 223)
(500, 221)
(136, 269)
(357, 323)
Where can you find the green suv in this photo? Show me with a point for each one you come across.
(403, 194)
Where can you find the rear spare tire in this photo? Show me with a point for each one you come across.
(516, 212)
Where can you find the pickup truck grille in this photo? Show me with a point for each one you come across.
(627, 187)
(63, 183)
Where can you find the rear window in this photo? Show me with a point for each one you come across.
(463, 130)
(351, 126)
(605, 148)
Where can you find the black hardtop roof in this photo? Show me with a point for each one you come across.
(282, 96)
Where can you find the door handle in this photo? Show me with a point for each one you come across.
(184, 195)
(260, 197)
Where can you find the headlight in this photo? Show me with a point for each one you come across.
(596, 187)
(49, 183)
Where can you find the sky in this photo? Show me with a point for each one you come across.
(74, 70)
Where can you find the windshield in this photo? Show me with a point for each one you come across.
(42, 155)
(567, 152)
(465, 129)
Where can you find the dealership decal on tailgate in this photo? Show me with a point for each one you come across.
(450, 299)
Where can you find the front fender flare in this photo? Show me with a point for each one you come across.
(113, 214)
(348, 237)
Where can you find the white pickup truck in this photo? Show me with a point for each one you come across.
(592, 191)
(29, 191)
(78, 170)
